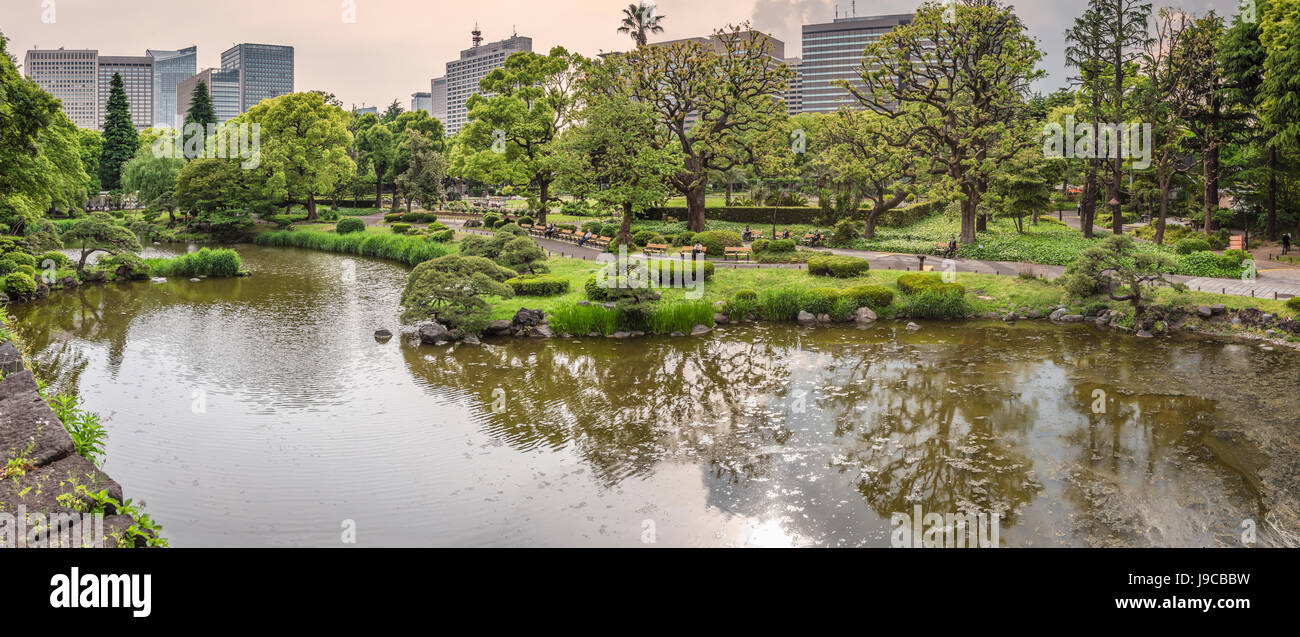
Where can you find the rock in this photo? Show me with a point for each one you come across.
(1218, 309)
(497, 328)
(41, 487)
(1035, 315)
(721, 319)
(865, 315)
(42, 291)
(383, 334)
(11, 360)
(594, 335)
(1058, 314)
(1205, 311)
(1268, 318)
(1073, 318)
(807, 320)
(26, 419)
(1010, 318)
(677, 335)
(1270, 333)
(158, 279)
(543, 331)
(584, 303)
(609, 306)
(434, 334)
(472, 340)
(621, 335)
(528, 318)
(638, 334)
(1145, 334)
(913, 327)
(1236, 322)
(4, 298)
(823, 318)
(69, 282)
(195, 280)
(96, 276)
(700, 330)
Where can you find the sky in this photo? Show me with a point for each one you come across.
(394, 47)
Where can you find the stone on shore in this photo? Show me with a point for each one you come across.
(700, 330)
(435, 334)
(806, 319)
(913, 327)
(11, 360)
(1205, 311)
(25, 420)
(721, 319)
(497, 328)
(865, 315)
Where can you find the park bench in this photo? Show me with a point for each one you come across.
(600, 242)
(754, 236)
(737, 253)
(811, 240)
(656, 248)
(569, 235)
(942, 250)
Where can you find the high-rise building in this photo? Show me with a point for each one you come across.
(464, 75)
(265, 71)
(71, 76)
(833, 52)
(422, 102)
(774, 48)
(794, 96)
(137, 81)
(170, 68)
(368, 110)
(438, 99)
(223, 88)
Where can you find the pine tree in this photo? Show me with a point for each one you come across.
(120, 137)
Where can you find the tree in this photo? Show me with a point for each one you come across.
(1279, 95)
(153, 178)
(304, 144)
(92, 147)
(424, 176)
(1166, 99)
(120, 138)
(392, 112)
(1124, 38)
(1086, 50)
(963, 109)
(404, 128)
(639, 21)
(449, 290)
(705, 99)
(1208, 119)
(1023, 190)
(1119, 269)
(612, 149)
(512, 134)
(849, 147)
(523, 255)
(99, 232)
(374, 141)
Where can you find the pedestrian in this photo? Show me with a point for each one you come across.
(1286, 243)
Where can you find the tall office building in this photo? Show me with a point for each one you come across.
(170, 68)
(368, 110)
(137, 80)
(71, 76)
(223, 88)
(833, 52)
(438, 99)
(774, 48)
(265, 71)
(422, 102)
(464, 75)
(794, 96)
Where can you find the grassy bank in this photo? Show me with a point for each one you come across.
(409, 250)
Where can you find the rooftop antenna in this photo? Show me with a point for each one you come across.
(478, 36)
(855, 8)
(837, 11)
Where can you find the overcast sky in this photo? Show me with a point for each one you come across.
(396, 46)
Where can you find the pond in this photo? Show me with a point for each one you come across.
(263, 412)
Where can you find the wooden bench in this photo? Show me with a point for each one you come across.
(942, 250)
(656, 248)
(600, 242)
(568, 235)
(808, 240)
(737, 253)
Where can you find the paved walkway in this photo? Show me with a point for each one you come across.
(1283, 283)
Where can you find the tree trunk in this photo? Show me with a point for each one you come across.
(695, 198)
(311, 206)
(730, 189)
(545, 192)
(1209, 173)
(968, 216)
(379, 189)
(1272, 194)
(1112, 194)
(1164, 210)
(1088, 201)
(625, 228)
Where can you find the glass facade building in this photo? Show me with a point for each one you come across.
(223, 88)
(265, 71)
(833, 52)
(170, 68)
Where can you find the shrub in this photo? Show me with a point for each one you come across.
(26, 269)
(1233, 258)
(125, 266)
(437, 227)
(490, 221)
(591, 226)
(6, 267)
(875, 297)
(18, 285)
(780, 304)
(716, 242)
(748, 295)
(511, 228)
(645, 237)
(525, 221)
(59, 259)
(937, 304)
(760, 246)
(686, 238)
(442, 236)
(780, 246)
(820, 301)
(838, 267)
(205, 262)
(401, 228)
(1294, 304)
(408, 250)
(1188, 246)
(741, 305)
(20, 258)
(912, 284)
(349, 225)
(539, 285)
(393, 218)
(846, 232)
(609, 230)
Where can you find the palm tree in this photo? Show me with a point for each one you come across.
(640, 21)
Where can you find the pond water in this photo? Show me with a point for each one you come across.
(263, 412)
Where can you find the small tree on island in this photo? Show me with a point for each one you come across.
(1119, 269)
(99, 232)
(449, 290)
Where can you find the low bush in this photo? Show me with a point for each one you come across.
(916, 283)
(1188, 246)
(741, 305)
(780, 246)
(59, 259)
(591, 226)
(646, 237)
(205, 262)
(1294, 304)
(392, 218)
(716, 242)
(875, 297)
(442, 236)
(6, 267)
(349, 225)
(525, 221)
(686, 238)
(20, 258)
(125, 266)
(539, 285)
(401, 228)
(490, 221)
(820, 301)
(838, 267)
(18, 285)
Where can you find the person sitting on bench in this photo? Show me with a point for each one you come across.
(816, 239)
(698, 250)
(585, 238)
(550, 230)
(786, 234)
(952, 248)
(748, 235)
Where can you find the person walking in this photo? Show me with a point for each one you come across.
(1286, 243)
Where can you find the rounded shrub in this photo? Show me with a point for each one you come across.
(26, 269)
(401, 228)
(442, 236)
(676, 271)
(591, 226)
(684, 239)
(59, 259)
(646, 237)
(716, 242)
(876, 297)
(393, 218)
(746, 295)
(780, 246)
(607, 230)
(21, 258)
(348, 225)
(916, 283)
(6, 267)
(490, 221)
(1188, 246)
(838, 267)
(820, 301)
(1233, 258)
(539, 285)
(18, 285)
(525, 221)
(760, 245)
(1294, 304)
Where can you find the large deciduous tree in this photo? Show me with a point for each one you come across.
(425, 171)
(304, 144)
(848, 147)
(707, 97)
(1165, 99)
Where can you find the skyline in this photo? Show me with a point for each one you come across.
(395, 47)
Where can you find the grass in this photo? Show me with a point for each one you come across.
(681, 316)
(205, 262)
(409, 250)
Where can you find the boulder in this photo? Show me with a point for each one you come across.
(497, 328)
(195, 280)
(68, 282)
(1145, 334)
(42, 291)
(806, 319)
(638, 334)
(52, 488)
(1073, 318)
(621, 336)
(721, 319)
(528, 318)
(1205, 311)
(1010, 318)
(676, 335)
(865, 315)
(96, 276)
(158, 279)
(1058, 314)
(1218, 309)
(434, 334)
(11, 360)
(542, 331)
(823, 318)
(383, 334)
(25, 419)
(584, 303)
(1035, 315)
(472, 340)
(913, 327)
(4, 298)
(700, 330)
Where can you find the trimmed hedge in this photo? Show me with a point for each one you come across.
(716, 242)
(20, 258)
(401, 228)
(1188, 246)
(875, 297)
(539, 285)
(442, 236)
(790, 215)
(917, 283)
(348, 225)
(838, 267)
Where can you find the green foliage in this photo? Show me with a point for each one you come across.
(838, 267)
(20, 258)
(916, 283)
(442, 236)
(846, 232)
(393, 218)
(820, 301)
(1294, 304)
(125, 266)
(59, 259)
(88, 434)
(938, 303)
(121, 141)
(18, 285)
(1116, 267)
(348, 225)
(585, 319)
(683, 239)
(716, 242)
(522, 255)
(780, 304)
(449, 290)
(681, 316)
(538, 285)
(490, 220)
(645, 237)
(205, 262)
(408, 250)
(401, 228)
(741, 305)
(1188, 246)
(875, 297)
